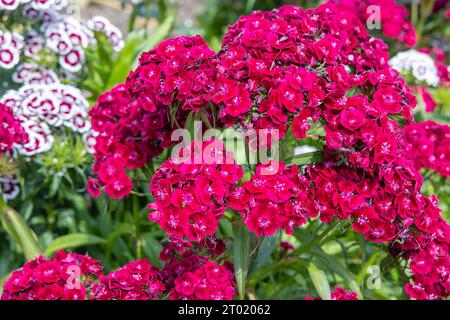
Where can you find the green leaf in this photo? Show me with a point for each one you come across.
(307, 158)
(136, 43)
(320, 281)
(2, 281)
(125, 60)
(159, 33)
(17, 228)
(72, 241)
(54, 186)
(152, 247)
(267, 247)
(335, 266)
(241, 254)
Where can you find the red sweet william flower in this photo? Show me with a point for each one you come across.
(388, 100)
(339, 294)
(133, 119)
(66, 276)
(429, 145)
(276, 201)
(190, 198)
(209, 282)
(136, 280)
(352, 119)
(394, 17)
(11, 131)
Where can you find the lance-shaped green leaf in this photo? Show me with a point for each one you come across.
(307, 158)
(160, 33)
(72, 241)
(333, 265)
(320, 281)
(2, 281)
(241, 255)
(19, 230)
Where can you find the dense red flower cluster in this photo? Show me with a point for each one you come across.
(359, 132)
(136, 280)
(189, 276)
(70, 276)
(302, 73)
(384, 203)
(339, 294)
(116, 146)
(272, 202)
(135, 120)
(66, 276)
(393, 17)
(429, 144)
(191, 190)
(209, 282)
(427, 245)
(285, 69)
(179, 72)
(367, 176)
(11, 131)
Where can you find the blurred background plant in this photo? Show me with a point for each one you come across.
(48, 207)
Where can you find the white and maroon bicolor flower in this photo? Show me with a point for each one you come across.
(10, 49)
(9, 186)
(114, 35)
(43, 107)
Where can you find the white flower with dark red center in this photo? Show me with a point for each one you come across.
(114, 35)
(39, 138)
(9, 185)
(42, 107)
(9, 57)
(72, 61)
(90, 140)
(420, 64)
(10, 49)
(30, 73)
(9, 4)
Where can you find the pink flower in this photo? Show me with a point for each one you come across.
(352, 119)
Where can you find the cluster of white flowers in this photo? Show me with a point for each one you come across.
(49, 29)
(420, 64)
(43, 108)
(11, 44)
(11, 5)
(30, 73)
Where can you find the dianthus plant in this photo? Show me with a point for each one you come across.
(309, 80)
(315, 94)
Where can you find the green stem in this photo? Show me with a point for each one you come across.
(132, 20)
(295, 256)
(137, 226)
